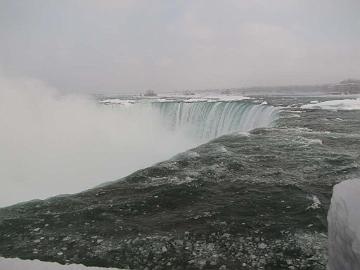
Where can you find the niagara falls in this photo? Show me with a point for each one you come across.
(179, 135)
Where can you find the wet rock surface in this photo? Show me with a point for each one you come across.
(256, 201)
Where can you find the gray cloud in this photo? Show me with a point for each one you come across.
(103, 46)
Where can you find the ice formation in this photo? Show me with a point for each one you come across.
(17, 264)
(344, 226)
(341, 104)
(118, 101)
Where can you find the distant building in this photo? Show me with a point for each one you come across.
(348, 87)
(150, 93)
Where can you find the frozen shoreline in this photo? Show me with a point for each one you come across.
(17, 264)
(340, 104)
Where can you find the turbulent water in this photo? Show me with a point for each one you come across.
(241, 201)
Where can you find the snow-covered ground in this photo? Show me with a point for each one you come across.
(344, 226)
(341, 104)
(18, 264)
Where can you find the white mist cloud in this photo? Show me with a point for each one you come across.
(52, 144)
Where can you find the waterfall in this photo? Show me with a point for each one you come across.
(208, 120)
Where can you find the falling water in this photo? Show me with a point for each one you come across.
(208, 120)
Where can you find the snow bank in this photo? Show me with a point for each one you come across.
(344, 226)
(17, 264)
(341, 104)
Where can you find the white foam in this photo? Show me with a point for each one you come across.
(17, 264)
(341, 104)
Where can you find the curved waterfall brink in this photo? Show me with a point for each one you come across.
(208, 120)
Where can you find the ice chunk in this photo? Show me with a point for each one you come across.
(344, 226)
(341, 104)
(316, 203)
(117, 101)
(16, 264)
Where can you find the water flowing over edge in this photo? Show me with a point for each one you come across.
(208, 120)
(77, 144)
(204, 120)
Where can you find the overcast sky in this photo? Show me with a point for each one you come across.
(122, 45)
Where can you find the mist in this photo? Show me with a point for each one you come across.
(53, 143)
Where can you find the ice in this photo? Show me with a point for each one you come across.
(17, 264)
(118, 101)
(205, 97)
(315, 202)
(174, 98)
(341, 104)
(227, 97)
(344, 226)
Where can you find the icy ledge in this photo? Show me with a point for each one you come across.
(341, 104)
(17, 264)
(344, 226)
